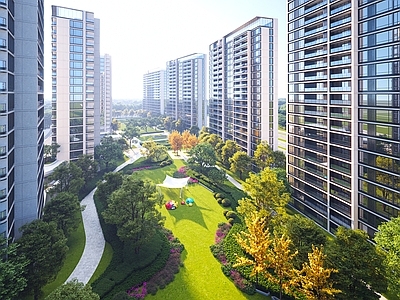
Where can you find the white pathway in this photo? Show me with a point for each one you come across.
(94, 245)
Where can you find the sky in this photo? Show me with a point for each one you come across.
(142, 35)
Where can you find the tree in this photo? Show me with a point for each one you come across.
(115, 125)
(45, 247)
(108, 151)
(50, 152)
(153, 151)
(263, 156)
(240, 162)
(279, 159)
(315, 281)
(12, 270)
(111, 182)
(194, 130)
(132, 208)
(360, 265)
(228, 150)
(73, 290)
(88, 166)
(304, 233)
(201, 157)
(63, 209)
(168, 123)
(189, 140)
(68, 177)
(131, 131)
(266, 193)
(217, 175)
(176, 141)
(269, 256)
(388, 240)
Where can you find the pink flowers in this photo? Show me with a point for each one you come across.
(138, 291)
(221, 232)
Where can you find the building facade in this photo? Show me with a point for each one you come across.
(75, 82)
(154, 92)
(185, 90)
(243, 104)
(21, 114)
(343, 111)
(105, 93)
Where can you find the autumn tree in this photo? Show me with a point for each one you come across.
(315, 278)
(68, 177)
(201, 157)
(45, 247)
(132, 208)
(228, 150)
(388, 239)
(189, 140)
(240, 162)
(360, 265)
(63, 209)
(73, 290)
(175, 140)
(153, 151)
(12, 270)
(265, 193)
(269, 257)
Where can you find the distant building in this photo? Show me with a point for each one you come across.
(105, 93)
(21, 114)
(344, 112)
(185, 90)
(75, 82)
(243, 105)
(154, 92)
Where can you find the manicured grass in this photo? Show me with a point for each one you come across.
(104, 262)
(201, 277)
(76, 244)
(153, 137)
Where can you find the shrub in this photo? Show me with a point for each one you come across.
(226, 269)
(226, 202)
(219, 200)
(225, 213)
(220, 195)
(231, 221)
(230, 214)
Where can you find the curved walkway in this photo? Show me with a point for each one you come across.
(95, 243)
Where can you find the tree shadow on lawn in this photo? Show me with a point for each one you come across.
(192, 213)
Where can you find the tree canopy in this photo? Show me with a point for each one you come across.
(201, 157)
(153, 151)
(176, 140)
(12, 270)
(388, 239)
(228, 150)
(73, 290)
(68, 177)
(241, 162)
(45, 247)
(359, 264)
(132, 208)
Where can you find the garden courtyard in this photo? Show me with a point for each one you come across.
(195, 226)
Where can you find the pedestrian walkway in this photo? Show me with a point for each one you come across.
(95, 243)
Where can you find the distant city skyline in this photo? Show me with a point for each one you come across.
(142, 36)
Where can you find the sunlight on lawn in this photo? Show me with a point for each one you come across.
(201, 277)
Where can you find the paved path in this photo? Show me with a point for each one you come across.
(94, 245)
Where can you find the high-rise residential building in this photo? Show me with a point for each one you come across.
(185, 90)
(154, 92)
(21, 114)
(343, 111)
(243, 104)
(75, 82)
(105, 93)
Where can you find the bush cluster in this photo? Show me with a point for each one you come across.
(222, 199)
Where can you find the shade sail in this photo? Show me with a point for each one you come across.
(174, 183)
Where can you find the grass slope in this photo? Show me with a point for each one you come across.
(201, 277)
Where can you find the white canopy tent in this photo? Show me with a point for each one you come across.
(174, 183)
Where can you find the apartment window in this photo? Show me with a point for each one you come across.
(3, 215)
(75, 48)
(76, 32)
(3, 172)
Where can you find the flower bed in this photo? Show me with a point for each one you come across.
(165, 275)
(219, 253)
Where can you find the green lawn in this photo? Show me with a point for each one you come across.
(201, 277)
(76, 244)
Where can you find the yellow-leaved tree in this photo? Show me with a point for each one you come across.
(176, 141)
(270, 256)
(314, 279)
